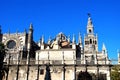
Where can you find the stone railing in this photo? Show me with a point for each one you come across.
(56, 62)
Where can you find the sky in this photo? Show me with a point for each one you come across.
(49, 17)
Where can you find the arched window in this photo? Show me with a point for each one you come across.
(95, 42)
(90, 41)
(90, 31)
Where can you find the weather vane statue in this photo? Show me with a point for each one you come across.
(89, 14)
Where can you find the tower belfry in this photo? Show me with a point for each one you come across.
(90, 40)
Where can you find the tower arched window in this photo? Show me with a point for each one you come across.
(95, 42)
(90, 31)
(90, 41)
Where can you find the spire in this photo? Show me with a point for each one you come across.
(69, 38)
(104, 50)
(89, 21)
(31, 29)
(49, 40)
(103, 47)
(31, 26)
(118, 53)
(73, 42)
(73, 38)
(42, 40)
(79, 39)
(90, 28)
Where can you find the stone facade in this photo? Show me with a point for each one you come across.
(27, 60)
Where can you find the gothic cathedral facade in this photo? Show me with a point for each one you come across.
(28, 60)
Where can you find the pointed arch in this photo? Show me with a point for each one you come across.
(90, 41)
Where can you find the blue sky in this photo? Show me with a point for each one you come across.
(49, 17)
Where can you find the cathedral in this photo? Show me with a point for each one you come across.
(60, 58)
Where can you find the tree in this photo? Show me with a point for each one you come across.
(47, 75)
(2, 55)
(115, 73)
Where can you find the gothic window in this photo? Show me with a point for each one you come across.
(90, 41)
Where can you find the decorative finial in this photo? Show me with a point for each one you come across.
(118, 53)
(103, 48)
(42, 39)
(49, 40)
(79, 35)
(79, 39)
(89, 15)
(31, 26)
(73, 38)
(68, 38)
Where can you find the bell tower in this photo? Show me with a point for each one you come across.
(90, 40)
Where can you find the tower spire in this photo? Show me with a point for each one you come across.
(73, 38)
(69, 38)
(118, 56)
(42, 39)
(90, 28)
(49, 40)
(31, 26)
(79, 39)
(103, 47)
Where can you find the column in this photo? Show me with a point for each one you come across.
(48, 57)
(97, 72)
(63, 73)
(74, 73)
(38, 67)
(8, 63)
(17, 77)
(108, 74)
(28, 57)
(74, 57)
(28, 62)
(63, 61)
